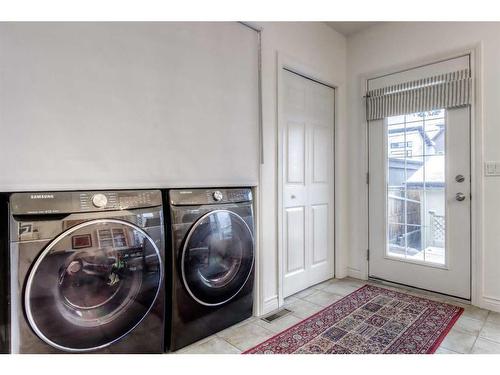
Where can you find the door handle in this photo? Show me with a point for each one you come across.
(460, 197)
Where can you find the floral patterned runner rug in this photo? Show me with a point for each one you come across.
(369, 320)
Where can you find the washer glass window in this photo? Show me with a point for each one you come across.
(84, 292)
(218, 257)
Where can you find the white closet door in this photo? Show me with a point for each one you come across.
(307, 217)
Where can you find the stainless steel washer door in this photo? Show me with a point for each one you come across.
(93, 284)
(217, 257)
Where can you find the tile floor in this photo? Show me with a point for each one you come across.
(477, 330)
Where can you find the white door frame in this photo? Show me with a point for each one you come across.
(476, 139)
(289, 63)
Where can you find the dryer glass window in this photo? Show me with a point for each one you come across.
(218, 257)
(85, 292)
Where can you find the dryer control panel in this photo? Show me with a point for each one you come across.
(196, 197)
(63, 202)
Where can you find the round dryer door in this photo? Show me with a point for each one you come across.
(93, 284)
(217, 257)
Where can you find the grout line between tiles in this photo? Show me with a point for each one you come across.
(234, 346)
(453, 351)
(487, 339)
(479, 333)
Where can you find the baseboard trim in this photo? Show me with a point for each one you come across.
(270, 304)
(490, 303)
(356, 274)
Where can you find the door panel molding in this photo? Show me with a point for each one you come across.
(319, 233)
(296, 163)
(295, 234)
(321, 146)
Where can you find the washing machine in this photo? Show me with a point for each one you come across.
(87, 272)
(212, 237)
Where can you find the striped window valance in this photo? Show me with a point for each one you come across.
(442, 91)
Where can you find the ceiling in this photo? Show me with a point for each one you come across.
(349, 28)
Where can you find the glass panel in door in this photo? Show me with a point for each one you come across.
(416, 203)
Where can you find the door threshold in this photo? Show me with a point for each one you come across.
(413, 288)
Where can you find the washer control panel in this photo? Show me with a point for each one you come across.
(118, 200)
(85, 201)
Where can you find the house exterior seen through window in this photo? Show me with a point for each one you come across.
(416, 186)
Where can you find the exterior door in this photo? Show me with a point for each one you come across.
(420, 200)
(307, 134)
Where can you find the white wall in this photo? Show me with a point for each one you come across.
(128, 105)
(391, 45)
(322, 50)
